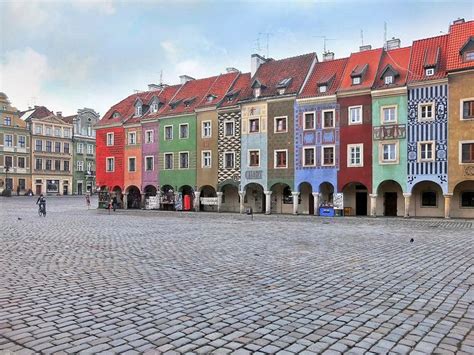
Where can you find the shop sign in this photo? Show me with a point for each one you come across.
(253, 174)
(394, 131)
(208, 201)
(338, 201)
(152, 203)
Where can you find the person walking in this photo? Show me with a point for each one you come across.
(88, 201)
(18, 190)
(114, 203)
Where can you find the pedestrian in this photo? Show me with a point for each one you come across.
(88, 201)
(18, 190)
(114, 203)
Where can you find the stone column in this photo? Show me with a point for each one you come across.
(447, 205)
(407, 204)
(242, 197)
(142, 202)
(268, 202)
(197, 194)
(295, 201)
(373, 205)
(219, 201)
(158, 196)
(316, 203)
(124, 201)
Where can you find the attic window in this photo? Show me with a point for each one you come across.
(154, 107)
(388, 80)
(467, 50)
(138, 110)
(323, 88)
(256, 92)
(429, 72)
(469, 56)
(188, 102)
(116, 114)
(210, 98)
(281, 91)
(356, 80)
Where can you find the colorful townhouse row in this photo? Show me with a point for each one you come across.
(392, 129)
(46, 153)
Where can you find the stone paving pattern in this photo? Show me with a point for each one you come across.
(84, 281)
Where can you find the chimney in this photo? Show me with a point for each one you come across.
(393, 43)
(328, 56)
(458, 21)
(255, 62)
(59, 114)
(153, 87)
(367, 47)
(185, 78)
(231, 70)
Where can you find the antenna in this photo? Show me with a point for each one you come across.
(362, 36)
(267, 34)
(325, 39)
(257, 47)
(384, 33)
(161, 76)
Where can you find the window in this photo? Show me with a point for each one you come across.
(168, 133)
(138, 110)
(254, 125)
(154, 107)
(206, 159)
(281, 159)
(206, 129)
(467, 109)
(38, 129)
(168, 161)
(389, 152)
(57, 165)
(21, 162)
(149, 163)
(356, 80)
(389, 114)
(323, 88)
(8, 140)
(80, 148)
(57, 132)
(426, 111)
(66, 165)
(467, 152)
(90, 149)
(183, 160)
(309, 155)
(149, 137)
(131, 164)
(7, 121)
(281, 124)
(183, 131)
(425, 151)
(110, 164)
(57, 147)
(467, 199)
(428, 199)
(89, 131)
(132, 138)
(22, 184)
(67, 132)
(309, 120)
(256, 92)
(39, 164)
(429, 72)
(66, 148)
(229, 128)
(22, 141)
(328, 155)
(9, 161)
(80, 165)
(9, 183)
(254, 158)
(355, 155)
(328, 119)
(110, 139)
(388, 80)
(49, 146)
(48, 164)
(229, 160)
(89, 166)
(48, 130)
(355, 115)
(39, 145)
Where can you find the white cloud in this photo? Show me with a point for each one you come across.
(74, 69)
(106, 7)
(170, 48)
(25, 14)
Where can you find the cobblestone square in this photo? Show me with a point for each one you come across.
(165, 282)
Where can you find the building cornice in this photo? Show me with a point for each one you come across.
(280, 99)
(390, 92)
(111, 125)
(428, 83)
(206, 109)
(353, 93)
(317, 99)
(229, 109)
(461, 71)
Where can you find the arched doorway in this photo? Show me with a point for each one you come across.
(254, 197)
(186, 195)
(230, 198)
(462, 205)
(150, 190)
(117, 192)
(167, 198)
(133, 197)
(206, 192)
(282, 199)
(427, 200)
(306, 205)
(356, 201)
(326, 194)
(390, 200)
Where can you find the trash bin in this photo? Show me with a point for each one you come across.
(249, 211)
(187, 202)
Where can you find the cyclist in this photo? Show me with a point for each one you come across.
(42, 204)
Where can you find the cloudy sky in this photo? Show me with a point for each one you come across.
(92, 53)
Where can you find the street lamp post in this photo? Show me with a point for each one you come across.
(7, 169)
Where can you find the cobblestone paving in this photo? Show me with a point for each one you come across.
(139, 281)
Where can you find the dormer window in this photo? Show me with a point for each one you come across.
(388, 80)
(356, 80)
(257, 88)
(210, 98)
(282, 85)
(116, 115)
(138, 110)
(256, 92)
(357, 73)
(281, 91)
(323, 88)
(467, 50)
(154, 107)
(469, 56)
(188, 102)
(429, 72)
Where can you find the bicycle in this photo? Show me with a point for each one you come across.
(42, 210)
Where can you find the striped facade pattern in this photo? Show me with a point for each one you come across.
(229, 144)
(435, 130)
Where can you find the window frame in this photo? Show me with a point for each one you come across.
(79, 148)
(395, 161)
(19, 141)
(349, 155)
(259, 160)
(314, 121)
(152, 162)
(225, 128)
(313, 148)
(110, 140)
(275, 160)
(250, 125)
(356, 80)
(107, 164)
(187, 130)
(164, 133)
(172, 160)
(428, 206)
(420, 111)
(333, 146)
(461, 109)
(18, 162)
(275, 124)
(388, 79)
(203, 166)
(179, 155)
(130, 135)
(429, 71)
(323, 125)
(134, 164)
(433, 151)
(203, 129)
(147, 135)
(382, 114)
(80, 165)
(361, 116)
(460, 152)
(5, 140)
(233, 159)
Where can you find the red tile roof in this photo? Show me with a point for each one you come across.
(69, 119)
(458, 36)
(271, 73)
(218, 89)
(399, 60)
(422, 53)
(236, 91)
(357, 62)
(329, 72)
(39, 112)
